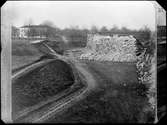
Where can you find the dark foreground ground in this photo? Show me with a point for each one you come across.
(117, 99)
(42, 84)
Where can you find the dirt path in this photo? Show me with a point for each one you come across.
(91, 84)
(49, 110)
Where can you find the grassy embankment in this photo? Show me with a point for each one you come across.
(23, 53)
(43, 83)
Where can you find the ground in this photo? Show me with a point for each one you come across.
(117, 98)
(23, 53)
(112, 101)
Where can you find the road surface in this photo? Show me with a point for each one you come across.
(91, 84)
(43, 113)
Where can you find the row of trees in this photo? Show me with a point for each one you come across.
(103, 30)
(78, 37)
(15, 32)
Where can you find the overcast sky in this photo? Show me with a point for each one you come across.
(132, 14)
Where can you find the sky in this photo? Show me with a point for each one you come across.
(131, 14)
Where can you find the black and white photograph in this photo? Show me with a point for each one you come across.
(83, 62)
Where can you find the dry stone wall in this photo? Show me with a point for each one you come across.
(107, 48)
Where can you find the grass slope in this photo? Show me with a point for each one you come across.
(41, 84)
(23, 53)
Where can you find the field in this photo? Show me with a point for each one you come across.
(19, 61)
(23, 53)
(117, 99)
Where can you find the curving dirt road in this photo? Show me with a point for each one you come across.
(49, 110)
(91, 84)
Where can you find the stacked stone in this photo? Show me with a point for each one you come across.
(106, 48)
(146, 68)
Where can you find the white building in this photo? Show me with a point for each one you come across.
(23, 32)
(33, 31)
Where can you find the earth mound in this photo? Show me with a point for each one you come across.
(40, 84)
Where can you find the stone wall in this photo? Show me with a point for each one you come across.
(107, 48)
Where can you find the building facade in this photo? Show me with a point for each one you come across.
(34, 31)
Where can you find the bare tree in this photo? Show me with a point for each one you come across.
(48, 23)
(104, 30)
(114, 29)
(124, 29)
(94, 29)
(146, 32)
(15, 31)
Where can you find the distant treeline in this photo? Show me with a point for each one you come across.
(77, 37)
